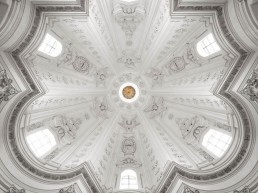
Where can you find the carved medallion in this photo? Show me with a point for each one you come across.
(128, 146)
(82, 65)
(177, 64)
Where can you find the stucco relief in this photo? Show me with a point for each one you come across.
(67, 56)
(100, 108)
(82, 65)
(6, 87)
(129, 123)
(251, 88)
(101, 76)
(69, 189)
(13, 189)
(156, 75)
(192, 128)
(246, 189)
(156, 107)
(128, 163)
(65, 128)
(189, 190)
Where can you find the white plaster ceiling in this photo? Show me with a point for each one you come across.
(181, 97)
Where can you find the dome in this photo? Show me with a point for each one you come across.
(128, 96)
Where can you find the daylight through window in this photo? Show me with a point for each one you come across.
(41, 142)
(216, 142)
(50, 46)
(128, 180)
(207, 46)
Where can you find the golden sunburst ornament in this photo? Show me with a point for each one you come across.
(128, 92)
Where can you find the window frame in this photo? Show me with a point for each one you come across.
(199, 41)
(128, 185)
(49, 150)
(222, 132)
(57, 40)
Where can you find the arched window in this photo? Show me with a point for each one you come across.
(207, 46)
(128, 180)
(216, 142)
(50, 46)
(41, 142)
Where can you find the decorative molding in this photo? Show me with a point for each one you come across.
(128, 163)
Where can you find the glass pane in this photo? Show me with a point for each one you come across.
(207, 46)
(41, 142)
(128, 180)
(50, 46)
(216, 142)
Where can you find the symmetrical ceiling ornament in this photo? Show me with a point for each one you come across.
(177, 64)
(101, 76)
(128, 146)
(6, 87)
(117, 87)
(82, 65)
(129, 123)
(156, 107)
(251, 88)
(100, 108)
(128, 17)
(156, 75)
(129, 59)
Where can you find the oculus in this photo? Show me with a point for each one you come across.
(129, 92)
